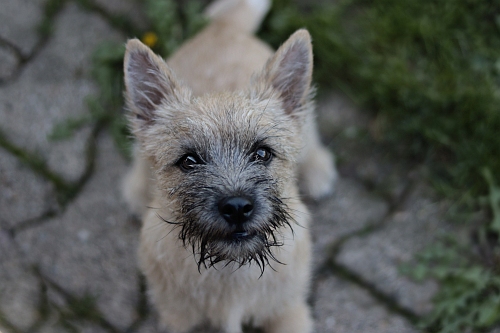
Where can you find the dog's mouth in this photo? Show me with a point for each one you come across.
(240, 236)
(241, 242)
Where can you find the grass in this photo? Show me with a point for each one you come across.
(428, 71)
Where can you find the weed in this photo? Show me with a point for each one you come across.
(469, 296)
(51, 8)
(173, 24)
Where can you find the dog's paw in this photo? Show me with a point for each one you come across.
(318, 173)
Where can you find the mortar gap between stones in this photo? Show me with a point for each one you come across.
(387, 301)
(71, 312)
(33, 222)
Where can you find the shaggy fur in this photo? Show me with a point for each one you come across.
(234, 121)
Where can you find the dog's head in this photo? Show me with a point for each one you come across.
(225, 163)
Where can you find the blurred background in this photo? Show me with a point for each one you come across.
(408, 100)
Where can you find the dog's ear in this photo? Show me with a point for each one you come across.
(289, 70)
(149, 82)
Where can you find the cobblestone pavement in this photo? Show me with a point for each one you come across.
(70, 265)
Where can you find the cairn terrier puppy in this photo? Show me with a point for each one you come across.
(222, 146)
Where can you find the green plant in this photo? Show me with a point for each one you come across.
(172, 24)
(469, 276)
(469, 296)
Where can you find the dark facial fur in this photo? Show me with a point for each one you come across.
(212, 238)
(227, 165)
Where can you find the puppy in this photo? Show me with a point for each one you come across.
(225, 134)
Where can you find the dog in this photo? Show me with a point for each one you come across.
(226, 143)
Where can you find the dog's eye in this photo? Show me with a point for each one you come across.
(263, 154)
(188, 162)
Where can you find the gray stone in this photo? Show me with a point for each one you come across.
(337, 114)
(53, 326)
(342, 307)
(89, 328)
(351, 208)
(91, 248)
(8, 63)
(347, 130)
(375, 165)
(60, 319)
(19, 287)
(132, 9)
(52, 88)
(23, 195)
(19, 21)
(150, 325)
(378, 256)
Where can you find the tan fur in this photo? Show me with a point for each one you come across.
(212, 96)
(226, 296)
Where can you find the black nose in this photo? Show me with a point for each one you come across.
(236, 210)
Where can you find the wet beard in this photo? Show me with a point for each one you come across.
(241, 247)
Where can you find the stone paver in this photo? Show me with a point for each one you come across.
(49, 328)
(381, 172)
(336, 114)
(377, 257)
(89, 328)
(150, 325)
(8, 64)
(19, 287)
(350, 209)
(347, 130)
(342, 307)
(91, 248)
(132, 9)
(19, 21)
(24, 195)
(52, 88)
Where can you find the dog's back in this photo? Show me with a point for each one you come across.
(225, 54)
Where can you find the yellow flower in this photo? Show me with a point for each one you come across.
(150, 39)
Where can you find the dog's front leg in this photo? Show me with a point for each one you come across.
(316, 164)
(296, 319)
(232, 321)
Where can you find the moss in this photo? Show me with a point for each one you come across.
(50, 10)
